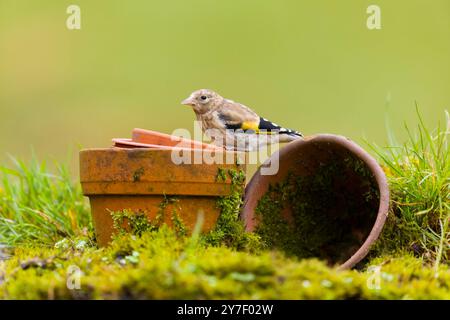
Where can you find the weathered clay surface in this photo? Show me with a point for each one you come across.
(307, 157)
(141, 179)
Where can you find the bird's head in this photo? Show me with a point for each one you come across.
(203, 100)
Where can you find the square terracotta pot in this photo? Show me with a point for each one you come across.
(140, 179)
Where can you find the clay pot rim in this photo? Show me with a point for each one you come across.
(162, 149)
(164, 138)
(359, 152)
(122, 142)
(147, 171)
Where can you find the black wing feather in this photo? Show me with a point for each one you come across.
(269, 126)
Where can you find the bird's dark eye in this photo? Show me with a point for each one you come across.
(203, 97)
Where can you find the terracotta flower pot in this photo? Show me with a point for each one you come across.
(348, 206)
(139, 179)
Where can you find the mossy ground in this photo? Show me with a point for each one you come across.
(162, 265)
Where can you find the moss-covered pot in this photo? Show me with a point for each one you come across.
(329, 199)
(141, 180)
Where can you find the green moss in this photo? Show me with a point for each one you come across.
(221, 175)
(131, 221)
(137, 174)
(137, 222)
(326, 215)
(229, 229)
(162, 265)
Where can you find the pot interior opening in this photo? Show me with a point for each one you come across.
(324, 204)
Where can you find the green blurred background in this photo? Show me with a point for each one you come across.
(309, 65)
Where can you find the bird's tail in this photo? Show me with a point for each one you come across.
(270, 126)
(291, 136)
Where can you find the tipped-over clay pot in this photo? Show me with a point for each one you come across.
(358, 188)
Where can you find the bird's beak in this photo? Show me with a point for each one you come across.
(188, 102)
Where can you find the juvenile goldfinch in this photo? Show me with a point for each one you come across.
(234, 126)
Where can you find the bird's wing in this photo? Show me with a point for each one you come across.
(237, 116)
